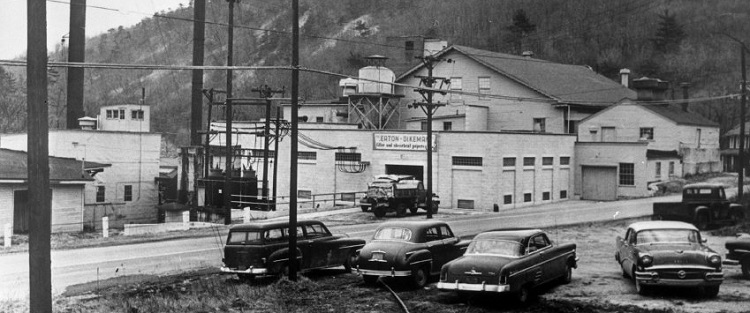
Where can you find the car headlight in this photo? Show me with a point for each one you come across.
(646, 260)
(714, 259)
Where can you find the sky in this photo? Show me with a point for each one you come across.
(13, 20)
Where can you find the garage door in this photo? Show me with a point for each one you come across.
(599, 183)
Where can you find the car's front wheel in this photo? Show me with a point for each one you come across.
(524, 294)
(419, 277)
(568, 277)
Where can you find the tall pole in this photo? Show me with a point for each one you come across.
(76, 53)
(293, 149)
(743, 97)
(429, 84)
(227, 190)
(196, 93)
(40, 273)
(277, 137)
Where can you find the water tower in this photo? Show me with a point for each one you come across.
(374, 104)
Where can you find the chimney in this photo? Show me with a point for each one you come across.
(685, 96)
(527, 54)
(625, 77)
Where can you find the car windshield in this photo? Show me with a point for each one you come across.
(670, 236)
(393, 233)
(495, 247)
(244, 238)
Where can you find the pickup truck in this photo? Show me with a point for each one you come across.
(396, 193)
(703, 205)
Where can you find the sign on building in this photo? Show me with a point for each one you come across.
(410, 142)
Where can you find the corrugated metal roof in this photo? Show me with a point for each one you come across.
(675, 113)
(567, 83)
(13, 166)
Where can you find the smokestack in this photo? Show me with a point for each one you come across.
(625, 77)
(685, 95)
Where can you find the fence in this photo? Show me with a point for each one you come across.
(350, 198)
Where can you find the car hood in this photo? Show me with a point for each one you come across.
(481, 263)
(692, 254)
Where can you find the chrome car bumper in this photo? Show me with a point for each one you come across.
(652, 278)
(249, 271)
(391, 273)
(473, 287)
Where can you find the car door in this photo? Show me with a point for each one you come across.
(435, 245)
(538, 244)
(303, 244)
(320, 246)
(452, 248)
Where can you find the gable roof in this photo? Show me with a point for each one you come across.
(736, 130)
(675, 113)
(14, 166)
(566, 83)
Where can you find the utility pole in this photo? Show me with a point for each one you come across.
(293, 149)
(276, 157)
(266, 93)
(227, 190)
(76, 53)
(40, 211)
(743, 99)
(196, 99)
(429, 109)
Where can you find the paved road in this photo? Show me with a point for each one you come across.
(71, 267)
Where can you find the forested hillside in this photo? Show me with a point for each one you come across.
(679, 41)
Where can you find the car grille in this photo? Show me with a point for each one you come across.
(689, 274)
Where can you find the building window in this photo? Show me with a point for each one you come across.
(456, 85)
(572, 126)
(508, 199)
(99, 193)
(564, 160)
(658, 169)
(318, 119)
(128, 194)
(304, 194)
(467, 161)
(258, 153)
(509, 162)
(307, 155)
(647, 133)
(109, 114)
(484, 87)
(540, 125)
(465, 204)
(627, 174)
(447, 125)
(529, 161)
(527, 197)
(545, 195)
(122, 114)
(563, 194)
(136, 115)
(348, 156)
(115, 114)
(671, 168)
(409, 45)
(423, 125)
(547, 161)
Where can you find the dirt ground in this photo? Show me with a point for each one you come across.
(597, 286)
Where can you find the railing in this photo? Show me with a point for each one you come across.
(350, 198)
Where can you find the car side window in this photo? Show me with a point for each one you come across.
(315, 231)
(446, 232)
(274, 235)
(431, 234)
(630, 237)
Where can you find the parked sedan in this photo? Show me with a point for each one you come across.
(661, 253)
(262, 248)
(739, 253)
(513, 261)
(410, 249)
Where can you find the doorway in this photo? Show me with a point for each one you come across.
(21, 211)
(415, 170)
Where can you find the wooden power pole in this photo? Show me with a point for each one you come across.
(76, 53)
(196, 92)
(40, 273)
(227, 190)
(293, 149)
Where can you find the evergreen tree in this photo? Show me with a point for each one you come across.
(669, 35)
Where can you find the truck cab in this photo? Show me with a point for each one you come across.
(395, 193)
(702, 204)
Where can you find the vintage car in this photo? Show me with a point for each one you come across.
(410, 249)
(509, 261)
(668, 253)
(739, 253)
(255, 249)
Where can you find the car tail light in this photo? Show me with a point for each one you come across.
(646, 260)
(503, 279)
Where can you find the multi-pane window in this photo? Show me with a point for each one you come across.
(467, 161)
(258, 153)
(547, 161)
(647, 133)
(447, 125)
(545, 195)
(115, 114)
(109, 113)
(423, 126)
(99, 193)
(563, 194)
(529, 161)
(627, 174)
(465, 204)
(318, 119)
(540, 125)
(671, 168)
(527, 197)
(658, 170)
(307, 155)
(484, 86)
(564, 160)
(509, 162)
(128, 193)
(456, 85)
(122, 114)
(508, 199)
(136, 114)
(348, 157)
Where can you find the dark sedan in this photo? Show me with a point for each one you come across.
(262, 248)
(513, 261)
(662, 253)
(411, 249)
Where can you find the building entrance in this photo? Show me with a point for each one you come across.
(415, 170)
